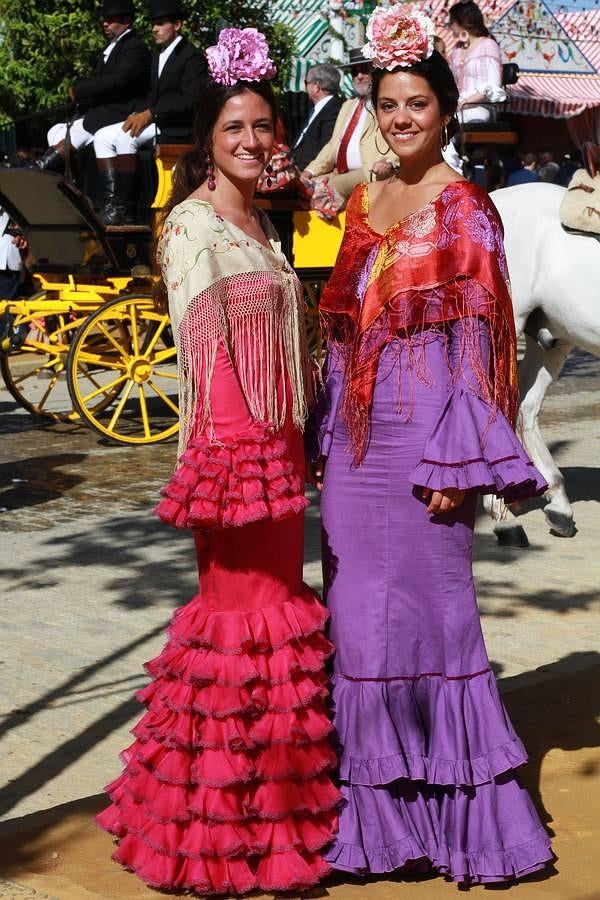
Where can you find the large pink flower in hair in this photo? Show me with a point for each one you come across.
(398, 36)
(240, 54)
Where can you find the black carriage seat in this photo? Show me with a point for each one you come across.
(64, 232)
(495, 130)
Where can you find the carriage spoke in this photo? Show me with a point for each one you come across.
(134, 329)
(165, 355)
(120, 406)
(103, 389)
(48, 391)
(43, 367)
(144, 410)
(107, 362)
(155, 337)
(165, 399)
(163, 374)
(107, 334)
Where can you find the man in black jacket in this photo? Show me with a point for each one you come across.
(121, 74)
(176, 75)
(322, 84)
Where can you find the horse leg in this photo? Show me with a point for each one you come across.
(538, 369)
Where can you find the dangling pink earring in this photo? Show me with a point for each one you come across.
(268, 173)
(210, 172)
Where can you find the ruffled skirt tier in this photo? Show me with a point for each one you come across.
(429, 776)
(225, 788)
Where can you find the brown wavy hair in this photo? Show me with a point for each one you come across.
(467, 15)
(190, 171)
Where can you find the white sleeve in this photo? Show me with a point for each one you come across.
(483, 75)
(10, 258)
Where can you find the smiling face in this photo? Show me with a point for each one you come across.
(242, 139)
(408, 112)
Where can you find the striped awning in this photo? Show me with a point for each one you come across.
(554, 96)
(584, 28)
(305, 19)
(308, 20)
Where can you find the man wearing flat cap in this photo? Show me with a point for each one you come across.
(121, 74)
(357, 150)
(176, 74)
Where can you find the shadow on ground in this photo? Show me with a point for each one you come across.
(38, 479)
(555, 715)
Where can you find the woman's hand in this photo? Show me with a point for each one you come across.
(316, 471)
(442, 501)
(382, 168)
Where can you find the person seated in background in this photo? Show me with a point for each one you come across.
(167, 110)
(526, 172)
(568, 166)
(13, 250)
(356, 151)
(548, 168)
(121, 74)
(322, 85)
(475, 63)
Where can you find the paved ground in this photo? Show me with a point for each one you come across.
(89, 580)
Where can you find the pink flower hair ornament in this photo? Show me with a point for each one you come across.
(398, 36)
(240, 54)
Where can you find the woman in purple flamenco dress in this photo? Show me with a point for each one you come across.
(420, 390)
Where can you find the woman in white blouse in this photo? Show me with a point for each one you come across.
(475, 63)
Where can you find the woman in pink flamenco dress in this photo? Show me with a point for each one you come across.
(226, 786)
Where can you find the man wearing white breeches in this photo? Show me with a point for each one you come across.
(176, 73)
(120, 75)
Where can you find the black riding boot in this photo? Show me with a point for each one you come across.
(118, 187)
(51, 161)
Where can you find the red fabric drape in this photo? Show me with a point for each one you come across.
(442, 263)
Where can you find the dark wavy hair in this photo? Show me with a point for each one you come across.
(467, 15)
(436, 72)
(190, 171)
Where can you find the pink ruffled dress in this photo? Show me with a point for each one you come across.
(226, 786)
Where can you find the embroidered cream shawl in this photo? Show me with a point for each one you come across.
(225, 286)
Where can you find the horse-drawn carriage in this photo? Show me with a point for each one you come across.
(92, 325)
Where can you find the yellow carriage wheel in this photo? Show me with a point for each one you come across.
(34, 356)
(126, 346)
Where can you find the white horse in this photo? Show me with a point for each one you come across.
(555, 278)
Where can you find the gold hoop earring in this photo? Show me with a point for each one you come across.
(383, 152)
(444, 139)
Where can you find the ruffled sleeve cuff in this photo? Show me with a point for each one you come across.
(473, 448)
(232, 482)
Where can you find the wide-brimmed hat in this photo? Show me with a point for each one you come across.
(355, 58)
(165, 9)
(117, 8)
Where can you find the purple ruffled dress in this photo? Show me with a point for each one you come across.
(427, 752)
